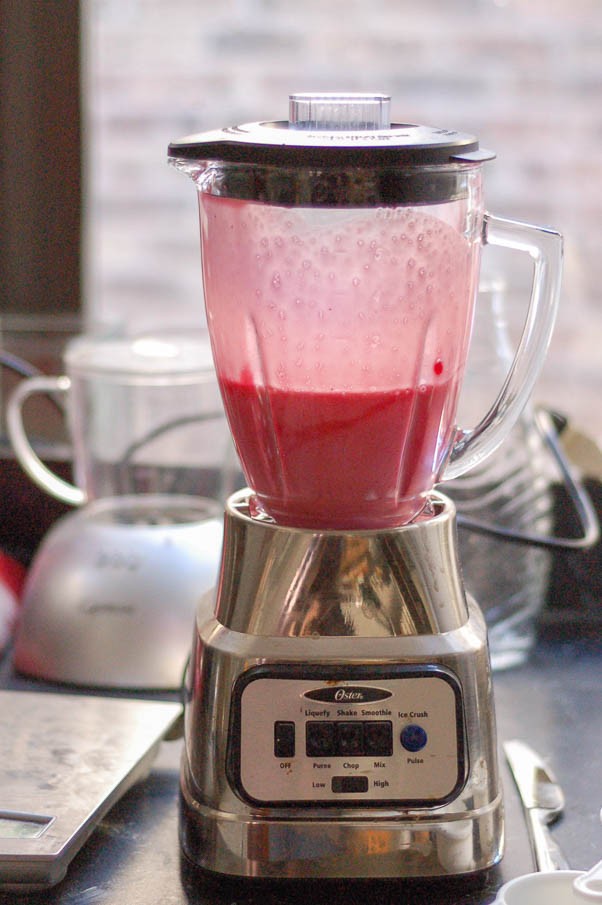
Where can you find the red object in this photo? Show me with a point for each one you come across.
(341, 459)
(12, 574)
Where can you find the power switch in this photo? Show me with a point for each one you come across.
(284, 739)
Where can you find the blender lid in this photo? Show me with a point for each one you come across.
(333, 129)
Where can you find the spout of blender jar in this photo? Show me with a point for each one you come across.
(544, 246)
(197, 170)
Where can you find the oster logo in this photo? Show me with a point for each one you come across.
(348, 694)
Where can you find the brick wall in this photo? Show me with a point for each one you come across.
(524, 75)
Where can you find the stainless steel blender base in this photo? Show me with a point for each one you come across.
(370, 848)
(365, 751)
(221, 832)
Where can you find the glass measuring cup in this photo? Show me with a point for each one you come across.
(144, 416)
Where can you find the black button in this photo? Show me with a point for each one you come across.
(350, 739)
(320, 738)
(378, 738)
(284, 739)
(349, 783)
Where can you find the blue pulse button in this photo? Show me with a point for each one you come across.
(413, 737)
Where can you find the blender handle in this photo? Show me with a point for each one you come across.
(39, 473)
(545, 248)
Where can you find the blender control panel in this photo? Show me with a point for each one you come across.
(347, 737)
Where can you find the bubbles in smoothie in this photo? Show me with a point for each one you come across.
(347, 274)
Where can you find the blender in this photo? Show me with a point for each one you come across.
(339, 714)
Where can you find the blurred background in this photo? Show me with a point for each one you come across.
(98, 230)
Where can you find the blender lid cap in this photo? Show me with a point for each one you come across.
(333, 129)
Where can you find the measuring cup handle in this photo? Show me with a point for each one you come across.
(31, 464)
(589, 884)
(545, 248)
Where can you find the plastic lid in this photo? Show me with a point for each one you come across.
(332, 130)
(145, 357)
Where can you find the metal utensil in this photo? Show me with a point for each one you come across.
(543, 802)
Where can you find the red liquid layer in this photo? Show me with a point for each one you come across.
(340, 459)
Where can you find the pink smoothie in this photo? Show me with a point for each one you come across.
(336, 300)
(341, 459)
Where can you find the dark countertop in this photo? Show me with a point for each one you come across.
(554, 702)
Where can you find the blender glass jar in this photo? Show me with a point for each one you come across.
(340, 261)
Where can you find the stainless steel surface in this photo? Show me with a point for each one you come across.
(274, 583)
(64, 761)
(302, 583)
(543, 802)
(111, 594)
